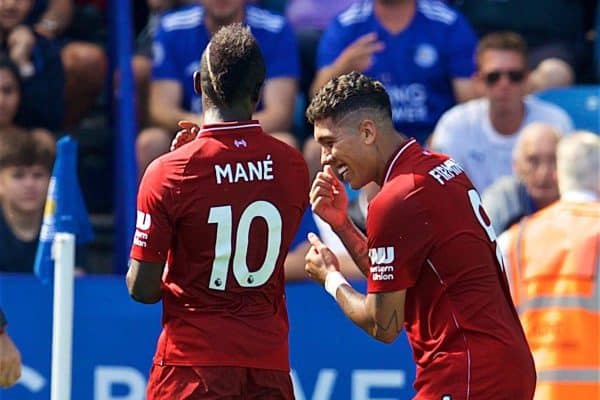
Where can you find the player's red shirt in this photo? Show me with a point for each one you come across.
(427, 233)
(222, 211)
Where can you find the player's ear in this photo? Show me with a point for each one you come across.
(367, 130)
(197, 83)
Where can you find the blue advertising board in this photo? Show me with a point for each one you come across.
(114, 340)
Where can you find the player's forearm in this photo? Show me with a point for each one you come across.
(353, 304)
(356, 244)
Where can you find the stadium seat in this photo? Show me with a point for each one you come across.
(581, 102)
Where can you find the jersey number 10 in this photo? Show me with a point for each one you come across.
(222, 216)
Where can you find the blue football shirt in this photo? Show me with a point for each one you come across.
(417, 65)
(181, 37)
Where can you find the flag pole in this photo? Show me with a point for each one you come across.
(63, 253)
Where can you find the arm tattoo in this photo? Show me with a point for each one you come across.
(393, 322)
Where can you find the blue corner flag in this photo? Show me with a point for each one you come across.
(65, 209)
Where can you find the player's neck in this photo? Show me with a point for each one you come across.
(387, 147)
(214, 116)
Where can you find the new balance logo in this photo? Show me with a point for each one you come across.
(143, 221)
(240, 143)
(381, 255)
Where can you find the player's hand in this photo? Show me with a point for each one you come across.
(358, 56)
(320, 260)
(328, 198)
(188, 132)
(10, 361)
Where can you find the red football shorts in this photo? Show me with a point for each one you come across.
(171, 382)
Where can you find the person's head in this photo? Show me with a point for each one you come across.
(14, 12)
(10, 91)
(224, 12)
(232, 71)
(502, 68)
(25, 165)
(353, 124)
(534, 161)
(578, 163)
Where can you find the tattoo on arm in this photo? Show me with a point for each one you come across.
(393, 323)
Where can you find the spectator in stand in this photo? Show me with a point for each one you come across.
(553, 30)
(421, 50)
(10, 100)
(58, 84)
(84, 63)
(309, 18)
(533, 185)
(482, 133)
(551, 258)
(181, 37)
(142, 60)
(25, 166)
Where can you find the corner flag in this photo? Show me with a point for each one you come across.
(65, 209)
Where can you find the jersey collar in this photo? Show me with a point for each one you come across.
(392, 161)
(249, 126)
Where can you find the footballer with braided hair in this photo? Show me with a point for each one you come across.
(221, 212)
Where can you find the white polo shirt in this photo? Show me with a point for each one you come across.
(465, 133)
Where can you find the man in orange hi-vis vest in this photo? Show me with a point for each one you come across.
(552, 259)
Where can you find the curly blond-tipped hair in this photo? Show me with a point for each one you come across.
(349, 93)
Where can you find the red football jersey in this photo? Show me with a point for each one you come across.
(222, 212)
(428, 233)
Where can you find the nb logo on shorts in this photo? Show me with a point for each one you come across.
(143, 221)
(381, 255)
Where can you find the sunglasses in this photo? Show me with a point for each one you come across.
(514, 75)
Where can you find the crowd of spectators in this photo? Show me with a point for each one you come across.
(462, 77)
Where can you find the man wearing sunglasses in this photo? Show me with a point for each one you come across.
(481, 134)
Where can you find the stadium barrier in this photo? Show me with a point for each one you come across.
(114, 340)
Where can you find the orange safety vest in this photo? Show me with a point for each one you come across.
(553, 261)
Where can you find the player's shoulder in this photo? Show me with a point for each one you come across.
(358, 13)
(437, 12)
(182, 18)
(261, 19)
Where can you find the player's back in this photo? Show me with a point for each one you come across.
(459, 316)
(237, 196)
